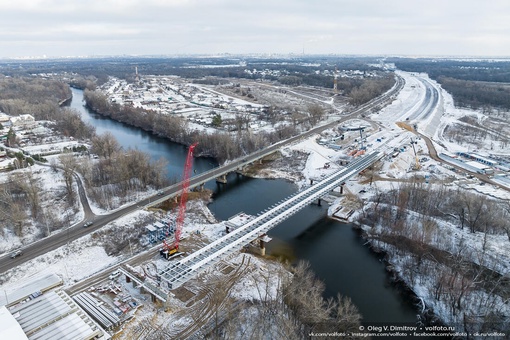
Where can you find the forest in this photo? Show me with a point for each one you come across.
(472, 83)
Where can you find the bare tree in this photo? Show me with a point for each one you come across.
(105, 145)
(316, 113)
(31, 187)
(69, 165)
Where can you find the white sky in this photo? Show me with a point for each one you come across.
(148, 27)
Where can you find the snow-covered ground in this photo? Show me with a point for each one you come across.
(52, 199)
(80, 258)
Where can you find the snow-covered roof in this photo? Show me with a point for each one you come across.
(460, 163)
(25, 118)
(41, 284)
(477, 165)
(54, 316)
(10, 327)
(4, 117)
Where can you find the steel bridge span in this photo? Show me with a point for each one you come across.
(183, 270)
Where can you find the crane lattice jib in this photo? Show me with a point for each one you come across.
(184, 196)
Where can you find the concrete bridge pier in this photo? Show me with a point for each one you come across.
(222, 179)
(262, 246)
(128, 279)
(319, 202)
(263, 239)
(240, 170)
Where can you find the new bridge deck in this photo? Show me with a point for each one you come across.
(181, 271)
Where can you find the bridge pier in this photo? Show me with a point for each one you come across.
(262, 246)
(178, 272)
(222, 179)
(128, 279)
(319, 202)
(263, 239)
(201, 187)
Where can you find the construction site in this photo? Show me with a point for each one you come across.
(183, 280)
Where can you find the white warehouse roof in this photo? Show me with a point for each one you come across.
(10, 327)
(54, 316)
(41, 284)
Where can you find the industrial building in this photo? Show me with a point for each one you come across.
(478, 158)
(470, 166)
(45, 314)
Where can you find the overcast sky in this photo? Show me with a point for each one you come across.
(155, 27)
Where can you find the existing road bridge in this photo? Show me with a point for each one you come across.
(181, 271)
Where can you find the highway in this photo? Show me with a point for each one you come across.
(428, 104)
(76, 231)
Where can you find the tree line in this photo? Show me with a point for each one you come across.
(463, 277)
(472, 83)
(220, 145)
(113, 178)
(475, 94)
(40, 98)
(297, 311)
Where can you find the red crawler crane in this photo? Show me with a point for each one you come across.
(167, 249)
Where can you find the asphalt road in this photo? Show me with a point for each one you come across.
(72, 233)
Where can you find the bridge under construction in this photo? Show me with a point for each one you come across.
(177, 273)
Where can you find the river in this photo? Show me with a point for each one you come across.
(335, 251)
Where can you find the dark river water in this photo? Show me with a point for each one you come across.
(335, 251)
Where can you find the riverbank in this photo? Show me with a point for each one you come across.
(443, 299)
(300, 163)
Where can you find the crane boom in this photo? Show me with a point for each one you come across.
(167, 249)
(184, 195)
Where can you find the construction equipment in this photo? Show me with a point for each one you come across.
(168, 250)
(417, 165)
